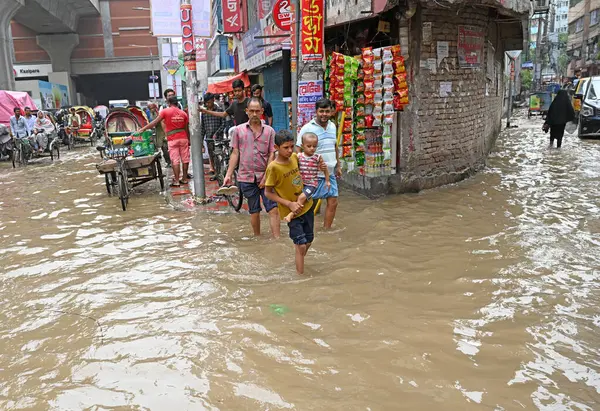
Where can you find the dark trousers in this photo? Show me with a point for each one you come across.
(556, 133)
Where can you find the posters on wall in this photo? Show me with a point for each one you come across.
(165, 17)
(443, 51)
(308, 93)
(470, 46)
(53, 95)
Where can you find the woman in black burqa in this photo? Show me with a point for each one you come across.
(560, 113)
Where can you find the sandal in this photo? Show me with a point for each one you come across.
(174, 185)
(184, 181)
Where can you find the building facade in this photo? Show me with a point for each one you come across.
(584, 32)
(454, 116)
(109, 54)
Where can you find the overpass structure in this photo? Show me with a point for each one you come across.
(55, 22)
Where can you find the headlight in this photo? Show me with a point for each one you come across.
(587, 111)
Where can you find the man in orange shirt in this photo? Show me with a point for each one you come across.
(176, 123)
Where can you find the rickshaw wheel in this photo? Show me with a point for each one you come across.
(123, 191)
(108, 184)
(13, 156)
(161, 177)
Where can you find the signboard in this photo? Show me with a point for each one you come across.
(264, 8)
(165, 16)
(153, 90)
(252, 45)
(201, 49)
(308, 93)
(53, 95)
(312, 26)
(172, 66)
(232, 16)
(187, 38)
(282, 15)
(32, 70)
(470, 46)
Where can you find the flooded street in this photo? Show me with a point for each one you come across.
(480, 295)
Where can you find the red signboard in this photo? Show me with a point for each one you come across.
(312, 26)
(200, 49)
(470, 46)
(264, 7)
(187, 37)
(232, 16)
(282, 14)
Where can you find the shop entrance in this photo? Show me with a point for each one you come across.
(100, 88)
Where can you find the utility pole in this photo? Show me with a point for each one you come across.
(295, 62)
(510, 88)
(189, 60)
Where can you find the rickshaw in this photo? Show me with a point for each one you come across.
(121, 169)
(539, 103)
(84, 133)
(139, 114)
(119, 123)
(23, 151)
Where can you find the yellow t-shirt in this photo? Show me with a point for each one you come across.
(287, 182)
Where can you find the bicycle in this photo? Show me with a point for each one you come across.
(221, 164)
(22, 152)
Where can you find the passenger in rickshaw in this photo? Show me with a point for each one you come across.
(74, 121)
(43, 129)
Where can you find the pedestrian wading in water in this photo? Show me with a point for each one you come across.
(560, 113)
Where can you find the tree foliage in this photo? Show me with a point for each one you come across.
(526, 79)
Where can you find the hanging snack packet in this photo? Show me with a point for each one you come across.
(360, 100)
(396, 50)
(360, 135)
(388, 93)
(369, 97)
(388, 119)
(346, 139)
(399, 66)
(403, 96)
(368, 57)
(346, 151)
(360, 123)
(388, 107)
(387, 143)
(378, 67)
(388, 80)
(377, 122)
(349, 111)
(400, 81)
(398, 106)
(387, 54)
(359, 147)
(347, 126)
(360, 109)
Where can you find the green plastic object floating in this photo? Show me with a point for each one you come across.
(279, 309)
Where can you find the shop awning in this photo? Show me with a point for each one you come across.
(225, 85)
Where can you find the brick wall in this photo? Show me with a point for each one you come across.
(445, 139)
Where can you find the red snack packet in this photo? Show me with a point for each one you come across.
(369, 121)
(399, 66)
(347, 139)
(400, 81)
(369, 97)
(397, 50)
(347, 151)
(348, 126)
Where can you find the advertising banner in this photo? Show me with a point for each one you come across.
(187, 38)
(53, 95)
(470, 46)
(308, 93)
(312, 26)
(201, 49)
(232, 16)
(252, 45)
(165, 17)
(282, 14)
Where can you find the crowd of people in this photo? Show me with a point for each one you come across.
(276, 173)
(36, 129)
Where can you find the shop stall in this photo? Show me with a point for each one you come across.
(368, 92)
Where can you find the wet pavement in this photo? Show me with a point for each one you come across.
(479, 295)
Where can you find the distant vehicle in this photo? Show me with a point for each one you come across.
(580, 89)
(118, 103)
(589, 114)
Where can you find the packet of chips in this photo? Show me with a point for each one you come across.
(388, 93)
(369, 97)
(367, 56)
(360, 109)
(346, 139)
(388, 119)
(349, 111)
(359, 146)
(346, 151)
(360, 135)
(388, 107)
(399, 66)
(360, 123)
(387, 54)
(360, 100)
(347, 126)
(400, 81)
(396, 50)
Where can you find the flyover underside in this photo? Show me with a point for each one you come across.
(55, 16)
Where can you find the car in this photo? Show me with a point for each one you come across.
(589, 113)
(580, 90)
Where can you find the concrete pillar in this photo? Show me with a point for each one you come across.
(59, 47)
(8, 9)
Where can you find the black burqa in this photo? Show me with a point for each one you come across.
(559, 114)
(561, 110)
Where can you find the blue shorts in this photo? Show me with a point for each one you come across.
(309, 191)
(322, 188)
(302, 229)
(253, 194)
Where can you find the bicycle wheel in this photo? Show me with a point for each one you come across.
(14, 154)
(159, 172)
(108, 183)
(236, 200)
(123, 190)
(222, 170)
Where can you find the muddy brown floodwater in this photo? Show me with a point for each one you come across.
(480, 295)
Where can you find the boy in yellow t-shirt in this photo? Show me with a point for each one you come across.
(283, 184)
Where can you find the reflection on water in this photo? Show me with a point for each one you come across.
(478, 295)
